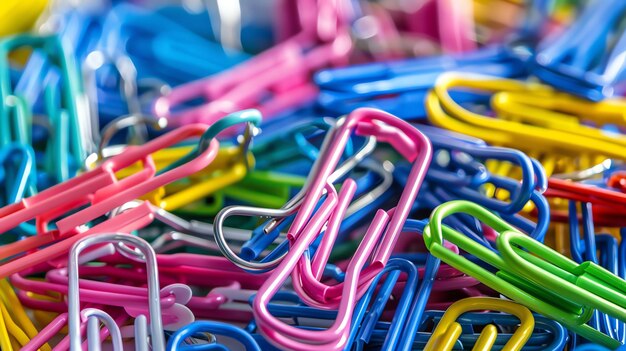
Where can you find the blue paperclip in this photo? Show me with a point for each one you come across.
(463, 181)
(256, 30)
(586, 249)
(462, 177)
(164, 49)
(19, 181)
(368, 310)
(578, 61)
(400, 87)
(548, 334)
(288, 149)
(176, 340)
(367, 321)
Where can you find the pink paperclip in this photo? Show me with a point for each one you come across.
(449, 22)
(416, 148)
(282, 72)
(276, 331)
(378, 242)
(54, 328)
(102, 190)
(92, 291)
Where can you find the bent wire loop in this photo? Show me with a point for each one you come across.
(448, 330)
(288, 209)
(15, 324)
(468, 178)
(530, 117)
(303, 230)
(548, 283)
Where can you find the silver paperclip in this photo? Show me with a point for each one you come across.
(93, 315)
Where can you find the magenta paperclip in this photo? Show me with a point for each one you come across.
(416, 148)
(282, 72)
(448, 22)
(102, 191)
(377, 244)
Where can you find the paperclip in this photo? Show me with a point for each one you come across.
(547, 335)
(18, 180)
(295, 58)
(448, 330)
(102, 293)
(230, 165)
(156, 324)
(579, 60)
(554, 132)
(214, 328)
(99, 187)
(400, 87)
(288, 209)
(72, 97)
(370, 197)
(15, 322)
(131, 29)
(532, 174)
(537, 283)
(607, 204)
(417, 149)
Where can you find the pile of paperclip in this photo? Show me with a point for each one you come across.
(312, 175)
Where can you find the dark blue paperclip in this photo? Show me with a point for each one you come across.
(175, 342)
(359, 337)
(368, 310)
(400, 87)
(462, 175)
(578, 60)
(547, 335)
(586, 248)
(470, 174)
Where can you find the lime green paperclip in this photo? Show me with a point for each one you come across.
(72, 115)
(531, 273)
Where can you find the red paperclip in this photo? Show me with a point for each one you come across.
(609, 206)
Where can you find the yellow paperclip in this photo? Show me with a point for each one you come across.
(17, 16)
(448, 330)
(530, 133)
(228, 168)
(508, 12)
(16, 328)
(533, 118)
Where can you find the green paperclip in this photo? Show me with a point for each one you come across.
(549, 283)
(257, 188)
(14, 117)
